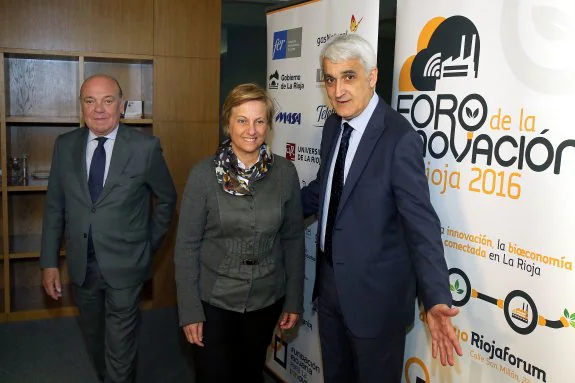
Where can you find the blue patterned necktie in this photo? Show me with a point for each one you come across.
(336, 187)
(97, 169)
(96, 181)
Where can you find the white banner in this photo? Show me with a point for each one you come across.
(490, 87)
(296, 35)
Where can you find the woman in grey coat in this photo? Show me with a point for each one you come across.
(240, 248)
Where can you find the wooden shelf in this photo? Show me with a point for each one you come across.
(42, 120)
(31, 255)
(117, 57)
(137, 121)
(68, 120)
(75, 55)
(25, 298)
(33, 186)
(25, 246)
(56, 312)
(41, 314)
(39, 100)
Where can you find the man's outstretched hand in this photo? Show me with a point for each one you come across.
(443, 337)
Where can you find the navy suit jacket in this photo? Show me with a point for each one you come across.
(387, 243)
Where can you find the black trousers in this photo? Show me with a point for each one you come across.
(235, 344)
(347, 358)
(110, 321)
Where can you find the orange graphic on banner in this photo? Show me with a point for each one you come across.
(411, 361)
(353, 25)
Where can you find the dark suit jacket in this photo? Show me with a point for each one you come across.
(387, 238)
(125, 228)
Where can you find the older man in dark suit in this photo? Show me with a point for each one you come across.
(379, 237)
(100, 190)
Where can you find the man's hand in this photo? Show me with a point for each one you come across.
(288, 320)
(51, 282)
(443, 338)
(195, 333)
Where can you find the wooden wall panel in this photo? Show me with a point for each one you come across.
(164, 283)
(187, 28)
(107, 26)
(186, 89)
(184, 144)
(43, 88)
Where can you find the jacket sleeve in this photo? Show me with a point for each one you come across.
(422, 226)
(193, 217)
(160, 182)
(310, 197)
(293, 246)
(54, 210)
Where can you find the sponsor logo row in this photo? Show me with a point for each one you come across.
(322, 112)
(302, 153)
(287, 43)
(292, 81)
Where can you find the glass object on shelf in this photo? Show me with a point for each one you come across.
(24, 168)
(148, 108)
(41, 174)
(18, 170)
(15, 171)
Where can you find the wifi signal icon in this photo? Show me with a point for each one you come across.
(433, 66)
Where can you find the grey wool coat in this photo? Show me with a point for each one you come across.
(126, 232)
(221, 235)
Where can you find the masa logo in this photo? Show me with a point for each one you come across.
(445, 48)
(273, 81)
(290, 151)
(287, 44)
(289, 118)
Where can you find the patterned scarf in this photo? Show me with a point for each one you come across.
(234, 179)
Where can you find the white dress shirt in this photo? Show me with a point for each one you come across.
(358, 124)
(91, 146)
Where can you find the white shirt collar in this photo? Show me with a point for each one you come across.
(112, 135)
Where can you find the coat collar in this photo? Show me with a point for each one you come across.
(369, 140)
(120, 156)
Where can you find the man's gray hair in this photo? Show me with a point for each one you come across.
(349, 47)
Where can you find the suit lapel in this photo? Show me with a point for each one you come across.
(80, 163)
(368, 141)
(120, 156)
(334, 129)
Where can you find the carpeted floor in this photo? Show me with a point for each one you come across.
(52, 351)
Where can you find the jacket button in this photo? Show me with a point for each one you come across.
(93, 210)
(85, 235)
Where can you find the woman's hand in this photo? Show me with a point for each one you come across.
(195, 333)
(288, 320)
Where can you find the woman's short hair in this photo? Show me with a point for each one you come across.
(244, 93)
(349, 47)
